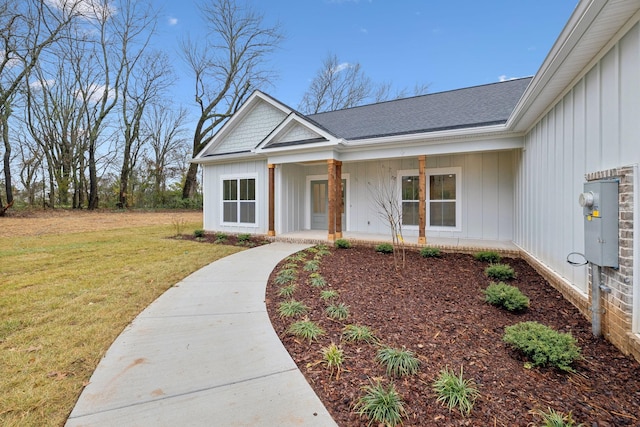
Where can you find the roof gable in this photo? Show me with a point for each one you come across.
(248, 127)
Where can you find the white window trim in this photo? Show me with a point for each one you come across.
(401, 174)
(457, 171)
(307, 204)
(224, 178)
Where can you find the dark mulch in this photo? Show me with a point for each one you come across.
(436, 308)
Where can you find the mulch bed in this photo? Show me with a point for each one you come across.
(435, 307)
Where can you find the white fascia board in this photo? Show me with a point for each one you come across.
(308, 157)
(431, 148)
(497, 131)
(284, 126)
(237, 117)
(226, 158)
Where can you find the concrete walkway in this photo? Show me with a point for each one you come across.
(204, 354)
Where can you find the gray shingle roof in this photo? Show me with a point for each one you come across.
(476, 106)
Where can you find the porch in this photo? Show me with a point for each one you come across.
(368, 239)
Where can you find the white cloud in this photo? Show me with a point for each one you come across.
(96, 92)
(341, 67)
(90, 9)
(172, 21)
(504, 78)
(364, 31)
(39, 84)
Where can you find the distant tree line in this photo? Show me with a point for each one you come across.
(86, 119)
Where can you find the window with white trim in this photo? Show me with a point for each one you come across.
(410, 201)
(239, 201)
(444, 193)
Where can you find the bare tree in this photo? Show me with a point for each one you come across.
(384, 195)
(336, 86)
(27, 27)
(339, 85)
(145, 75)
(167, 139)
(227, 65)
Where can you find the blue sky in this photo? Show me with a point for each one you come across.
(448, 44)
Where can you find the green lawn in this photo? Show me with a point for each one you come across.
(65, 298)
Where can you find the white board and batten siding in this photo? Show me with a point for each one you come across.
(595, 126)
(212, 189)
(486, 194)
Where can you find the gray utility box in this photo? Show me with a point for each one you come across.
(600, 205)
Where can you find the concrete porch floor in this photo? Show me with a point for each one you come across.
(447, 244)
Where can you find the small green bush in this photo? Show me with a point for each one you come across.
(355, 333)
(333, 357)
(198, 233)
(316, 280)
(292, 308)
(488, 256)
(556, 419)
(506, 296)
(286, 276)
(500, 272)
(454, 391)
(299, 256)
(287, 291)
(321, 250)
(312, 265)
(399, 362)
(342, 244)
(381, 405)
(306, 329)
(338, 311)
(244, 238)
(328, 294)
(428, 252)
(542, 345)
(220, 238)
(384, 248)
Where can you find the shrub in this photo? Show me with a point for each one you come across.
(244, 238)
(429, 252)
(338, 311)
(312, 265)
(500, 272)
(299, 256)
(321, 250)
(384, 248)
(198, 233)
(399, 362)
(220, 237)
(333, 357)
(455, 392)
(506, 296)
(542, 345)
(342, 244)
(292, 308)
(287, 291)
(381, 405)
(316, 280)
(488, 256)
(556, 419)
(306, 329)
(328, 294)
(353, 333)
(286, 276)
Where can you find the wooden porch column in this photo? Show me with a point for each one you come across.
(272, 202)
(422, 199)
(331, 165)
(339, 199)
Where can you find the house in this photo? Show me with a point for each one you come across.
(502, 163)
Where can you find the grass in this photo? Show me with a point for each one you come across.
(553, 418)
(334, 358)
(399, 362)
(328, 294)
(306, 329)
(338, 311)
(292, 308)
(454, 391)
(66, 297)
(381, 405)
(359, 333)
